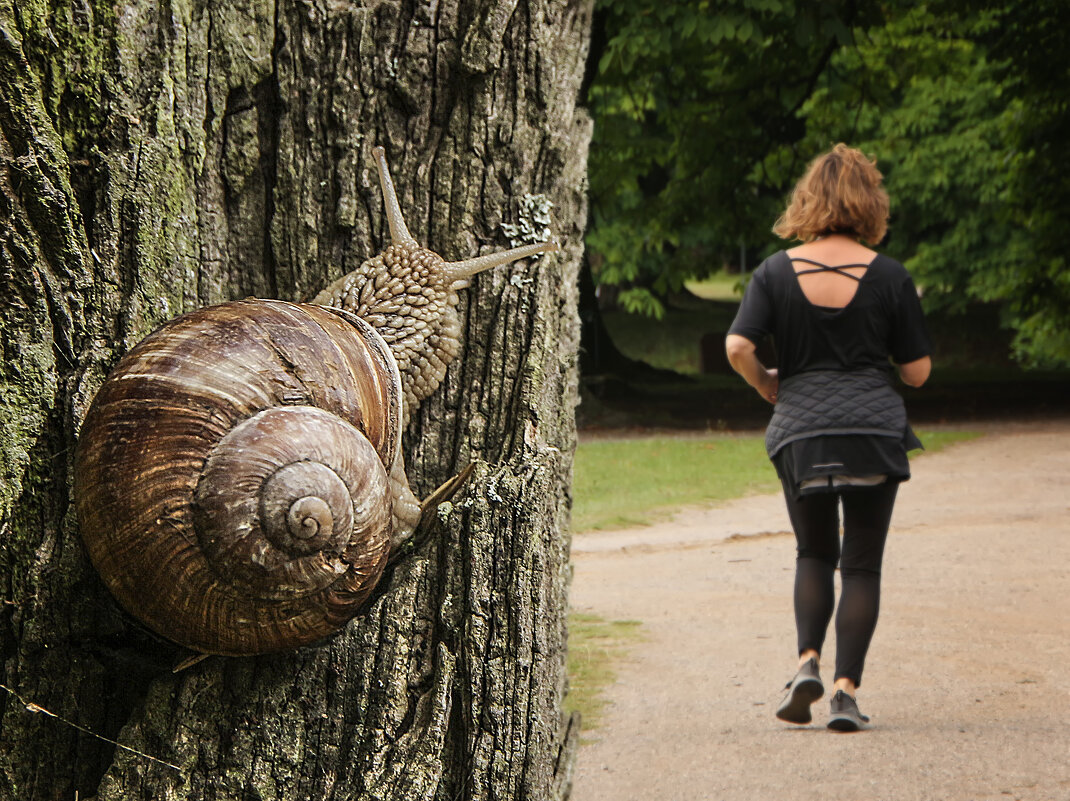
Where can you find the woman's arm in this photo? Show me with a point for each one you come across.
(742, 357)
(915, 373)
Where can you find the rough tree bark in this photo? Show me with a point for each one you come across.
(160, 156)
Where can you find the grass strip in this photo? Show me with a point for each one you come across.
(721, 285)
(595, 645)
(630, 482)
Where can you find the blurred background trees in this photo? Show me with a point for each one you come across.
(706, 113)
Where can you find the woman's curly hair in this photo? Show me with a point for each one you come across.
(841, 193)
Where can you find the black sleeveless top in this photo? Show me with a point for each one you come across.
(882, 321)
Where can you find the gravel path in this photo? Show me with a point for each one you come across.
(967, 680)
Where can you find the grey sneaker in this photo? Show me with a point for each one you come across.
(845, 715)
(803, 690)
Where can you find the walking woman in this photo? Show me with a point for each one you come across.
(840, 315)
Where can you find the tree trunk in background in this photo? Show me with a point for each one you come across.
(158, 157)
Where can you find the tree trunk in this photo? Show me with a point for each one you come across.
(157, 157)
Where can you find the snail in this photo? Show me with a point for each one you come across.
(239, 481)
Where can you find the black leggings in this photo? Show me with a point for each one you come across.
(867, 511)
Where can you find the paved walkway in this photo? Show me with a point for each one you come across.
(968, 678)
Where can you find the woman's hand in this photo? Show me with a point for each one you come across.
(768, 385)
(741, 355)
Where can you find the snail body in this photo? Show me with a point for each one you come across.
(239, 480)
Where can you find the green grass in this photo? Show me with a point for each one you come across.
(938, 440)
(719, 286)
(622, 483)
(674, 343)
(594, 645)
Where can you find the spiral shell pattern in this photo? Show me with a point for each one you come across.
(231, 476)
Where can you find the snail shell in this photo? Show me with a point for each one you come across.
(232, 475)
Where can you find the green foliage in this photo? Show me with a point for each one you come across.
(1032, 41)
(706, 113)
(924, 94)
(687, 100)
(924, 100)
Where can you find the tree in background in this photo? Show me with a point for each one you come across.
(155, 158)
(1032, 44)
(689, 99)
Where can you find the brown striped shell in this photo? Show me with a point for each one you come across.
(232, 475)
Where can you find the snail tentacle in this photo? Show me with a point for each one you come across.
(461, 271)
(399, 232)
